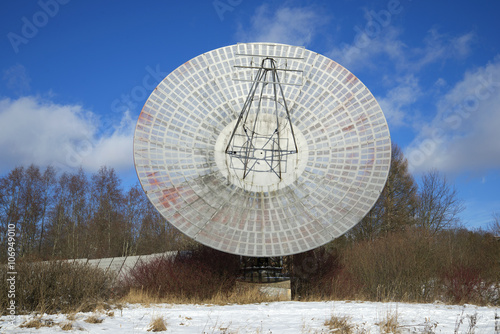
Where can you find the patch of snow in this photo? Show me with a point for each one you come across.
(275, 318)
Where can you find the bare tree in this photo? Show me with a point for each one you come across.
(67, 232)
(132, 215)
(31, 209)
(147, 231)
(48, 183)
(107, 223)
(439, 205)
(495, 224)
(59, 218)
(78, 189)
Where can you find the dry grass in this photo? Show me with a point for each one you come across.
(67, 326)
(33, 323)
(429, 326)
(472, 320)
(139, 296)
(390, 324)
(342, 325)
(238, 295)
(94, 319)
(102, 307)
(158, 324)
(37, 323)
(246, 294)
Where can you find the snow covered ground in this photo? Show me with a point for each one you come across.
(276, 317)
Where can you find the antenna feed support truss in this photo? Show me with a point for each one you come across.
(247, 142)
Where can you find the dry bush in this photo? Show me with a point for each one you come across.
(454, 266)
(33, 323)
(94, 319)
(461, 284)
(37, 323)
(51, 287)
(393, 267)
(470, 267)
(472, 322)
(197, 275)
(390, 324)
(67, 326)
(312, 274)
(158, 324)
(342, 325)
(497, 322)
(399, 266)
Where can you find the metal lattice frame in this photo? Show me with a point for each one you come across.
(340, 166)
(272, 152)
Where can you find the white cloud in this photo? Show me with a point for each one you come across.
(295, 26)
(364, 49)
(17, 79)
(464, 136)
(439, 47)
(398, 101)
(33, 130)
(369, 50)
(462, 44)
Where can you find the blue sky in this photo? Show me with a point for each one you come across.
(75, 74)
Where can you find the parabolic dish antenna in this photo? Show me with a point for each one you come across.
(262, 149)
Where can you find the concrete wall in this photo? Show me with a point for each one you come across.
(120, 266)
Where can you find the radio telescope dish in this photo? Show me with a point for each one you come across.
(262, 149)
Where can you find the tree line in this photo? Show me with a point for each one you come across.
(77, 215)
(434, 205)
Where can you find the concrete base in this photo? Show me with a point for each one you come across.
(280, 290)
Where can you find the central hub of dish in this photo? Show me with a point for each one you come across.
(263, 154)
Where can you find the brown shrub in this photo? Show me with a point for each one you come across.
(94, 319)
(33, 323)
(158, 324)
(312, 273)
(390, 324)
(67, 326)
(400, 266)
(57, 286)
(469, 268)
(196, 275)
(454, 266)
(341, 325)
